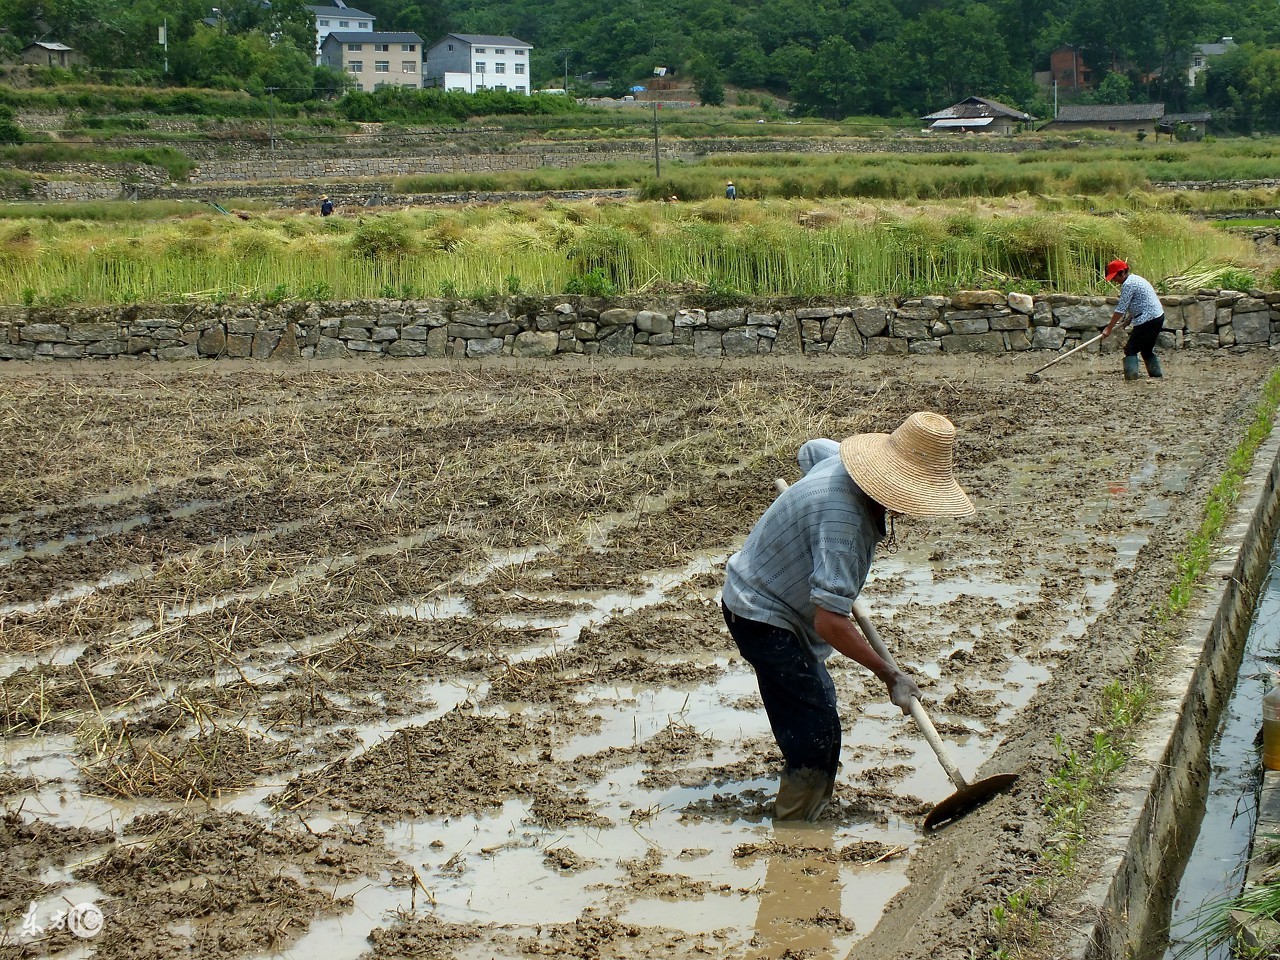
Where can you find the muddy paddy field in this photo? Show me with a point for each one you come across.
(427, 661)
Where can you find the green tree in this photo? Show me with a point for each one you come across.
(1114, 88)
(708, 81)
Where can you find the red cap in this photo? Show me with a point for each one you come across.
(1114, 267)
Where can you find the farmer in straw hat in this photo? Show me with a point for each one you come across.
(789, 591)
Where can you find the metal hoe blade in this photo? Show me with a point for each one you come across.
(969, 798)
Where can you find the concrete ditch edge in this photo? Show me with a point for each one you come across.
(1152, 819)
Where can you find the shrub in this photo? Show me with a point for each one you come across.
(382, 238)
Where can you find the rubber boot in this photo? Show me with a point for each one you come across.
(803, 794)
(1131, 371)
(1153, 366)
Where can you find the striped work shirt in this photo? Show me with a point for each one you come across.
(1139, 300)
(812, 548)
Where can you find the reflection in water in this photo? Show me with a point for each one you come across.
(799, 913)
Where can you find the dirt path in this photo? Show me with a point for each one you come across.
(425, 660)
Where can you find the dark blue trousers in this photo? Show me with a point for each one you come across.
(1142, 338)
(799, 696)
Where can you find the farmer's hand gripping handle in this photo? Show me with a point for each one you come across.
(917, 711)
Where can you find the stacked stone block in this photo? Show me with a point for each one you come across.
(968, 322)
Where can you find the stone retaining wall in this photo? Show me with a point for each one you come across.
(975, 321)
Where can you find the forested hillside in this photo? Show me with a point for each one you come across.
(832, 58)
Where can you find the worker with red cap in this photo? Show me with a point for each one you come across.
(1139, 307)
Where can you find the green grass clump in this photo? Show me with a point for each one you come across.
(110, 252)
(1194, 561)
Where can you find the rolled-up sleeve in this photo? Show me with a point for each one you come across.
(815, 451)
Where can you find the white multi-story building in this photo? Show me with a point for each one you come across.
(375, 59)
(468, 62)
(338, 17)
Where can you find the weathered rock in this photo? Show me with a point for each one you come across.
(212, 342)
(916, 312)
(1202, 341)
(1252, 327)
(17, 351)
(1017, 340)
(464, 331)
(535, 344)
(1016, 321)
(886, 347)
(973, 343)
(691, 318)
(926, 348)
(328, 348)
(969, 327)
(1048, 338)
(1082, 317)
(437, 341)
(969, 299)
(287, 347)
(264, 342)
(707, 343)
(617, 317)
(911, 329)
(740, 342)
(178, 353)
(648, 321)
(1201, 317)
(846, 340)
(617, 343)
(407, 348)
(489, 347)
(871, 321)
(726, 319)
(1023, 303)
(788, 339)
(239, 345)
(92, 332)
(43, 333)
(815, 313)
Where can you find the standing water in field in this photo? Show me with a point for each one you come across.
(1219, 859)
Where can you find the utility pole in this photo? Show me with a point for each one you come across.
(657, 163)
(164, 42)
(566, 53)
(271, 107)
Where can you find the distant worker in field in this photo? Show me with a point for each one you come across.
(730, 191)
(789, 592)
(326, 206)
(1139, 306)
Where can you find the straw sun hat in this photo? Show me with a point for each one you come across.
(910, 470)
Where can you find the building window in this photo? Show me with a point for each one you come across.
(408, 66)
(520, 69)
(381, 48)
(520, 89)
(499, 50)
(479, 49)
(518, 53)
(382, 66)
(501, 88)
(410, 47)
(479, 66)
(344, 23)
(499, 68)
(354, 47)
(451, 48)
(324, 23)
(363, 24)
(355, 66)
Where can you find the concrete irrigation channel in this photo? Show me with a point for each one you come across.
(424, 658)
